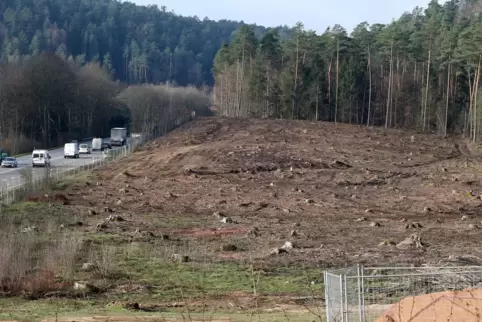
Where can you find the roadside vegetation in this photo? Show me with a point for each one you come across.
(61, 100)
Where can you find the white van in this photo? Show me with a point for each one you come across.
(71, 150)
(96, 144)
(40, 158)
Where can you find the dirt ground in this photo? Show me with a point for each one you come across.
(341, 194)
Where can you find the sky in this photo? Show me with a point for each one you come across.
(314, 14)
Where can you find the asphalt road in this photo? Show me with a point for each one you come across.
(10, 177)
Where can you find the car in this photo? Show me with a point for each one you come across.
(9, 162)
(105, 146)
(84, 149)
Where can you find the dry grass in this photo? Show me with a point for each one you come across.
(30, 186)
(40, 256)
(33, 266)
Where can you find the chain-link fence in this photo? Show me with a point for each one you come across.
(28, 180)
(363, 294)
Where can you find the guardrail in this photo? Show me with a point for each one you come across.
(34, 180)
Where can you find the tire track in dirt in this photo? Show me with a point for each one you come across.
(465, 151)
(460, 151)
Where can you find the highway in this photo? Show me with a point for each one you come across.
(11, 177)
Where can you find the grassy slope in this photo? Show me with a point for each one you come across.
(141, 271)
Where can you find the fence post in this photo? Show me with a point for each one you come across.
(341, 300)
(345, 299)
(7, 191)
(327, 287)
(362, 292)
(358, 280)
(14, 195)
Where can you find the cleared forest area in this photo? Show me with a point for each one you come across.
(250, 211)
(335, 191)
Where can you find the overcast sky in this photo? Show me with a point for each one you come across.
(315, 14)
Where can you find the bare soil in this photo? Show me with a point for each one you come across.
(324, 183)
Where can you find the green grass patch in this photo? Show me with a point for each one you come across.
(175, 222)
(60, 186)
(47, 217)
(67, 182)
(23, 310)
(19, 155)
(101, 238)
(25, 207)
(31, 213)
(149, 265)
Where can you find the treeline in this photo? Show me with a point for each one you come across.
(421, 71)
(46, 101)
(151, 103)
(136, 44)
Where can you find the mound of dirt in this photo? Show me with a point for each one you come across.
(450, 306)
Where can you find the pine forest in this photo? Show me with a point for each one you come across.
(422, 71)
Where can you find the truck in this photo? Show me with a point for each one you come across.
(71, 150)
(118, 136)
(96, 144)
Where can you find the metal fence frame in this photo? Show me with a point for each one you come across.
(362, 294)
(18, 188)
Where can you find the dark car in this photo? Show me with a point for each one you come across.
(105, 146)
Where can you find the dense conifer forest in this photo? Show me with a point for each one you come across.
(421, 71)
(136, 44)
